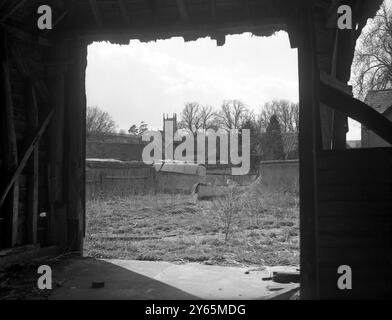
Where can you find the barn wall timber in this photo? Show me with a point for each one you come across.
(27, 72)
(355, 221)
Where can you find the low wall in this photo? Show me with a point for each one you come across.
(120, 151)
(110, 177)
(280, 175)
(114, 177)
(179, 177)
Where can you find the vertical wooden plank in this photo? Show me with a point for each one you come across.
(345, 53)
(308, 80)
(58, 202)
(82, 140)
(33, 166)
(75, 135)
(8, 137)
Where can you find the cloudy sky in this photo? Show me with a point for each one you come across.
(141, 81)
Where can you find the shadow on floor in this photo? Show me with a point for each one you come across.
(76, 277)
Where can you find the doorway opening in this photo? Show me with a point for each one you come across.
(186, 212)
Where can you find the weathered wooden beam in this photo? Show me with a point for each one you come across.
(327, 114)
(33, 167)
(12, 9)
(189, 31)
(308, 148)
(124, 12)
(182, 10)
(8, 137)
(345, 55)
(26, 156)
(96, 12)
(335, 51)
(75, 127)
(57, 201)
(356, 110)
(333, 82)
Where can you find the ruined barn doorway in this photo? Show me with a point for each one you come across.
(142, 212)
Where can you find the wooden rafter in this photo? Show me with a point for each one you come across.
(33, 166)
(96, 12)
(357, 110)
(12, 9)
(182, 10)
(124, 12)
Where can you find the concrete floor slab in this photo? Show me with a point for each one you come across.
(129, 279)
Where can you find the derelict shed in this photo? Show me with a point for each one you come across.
(345, 194)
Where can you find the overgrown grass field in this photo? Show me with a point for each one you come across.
(253, 229)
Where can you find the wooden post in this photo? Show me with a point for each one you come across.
(33, 166)
(75, 135)
(343, 71)
(10, 160)
(308, 146)
(57, 194)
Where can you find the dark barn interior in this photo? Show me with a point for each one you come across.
(345, 209)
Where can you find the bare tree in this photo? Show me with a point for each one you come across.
(207, 118)
(191, 117)
(229, 210)
(267, 111)
(232, 115)
(372, 66)
(286, 112)
(99, 121)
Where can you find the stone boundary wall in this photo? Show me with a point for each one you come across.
(118, 178)
(114, 150)
(280, 175)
